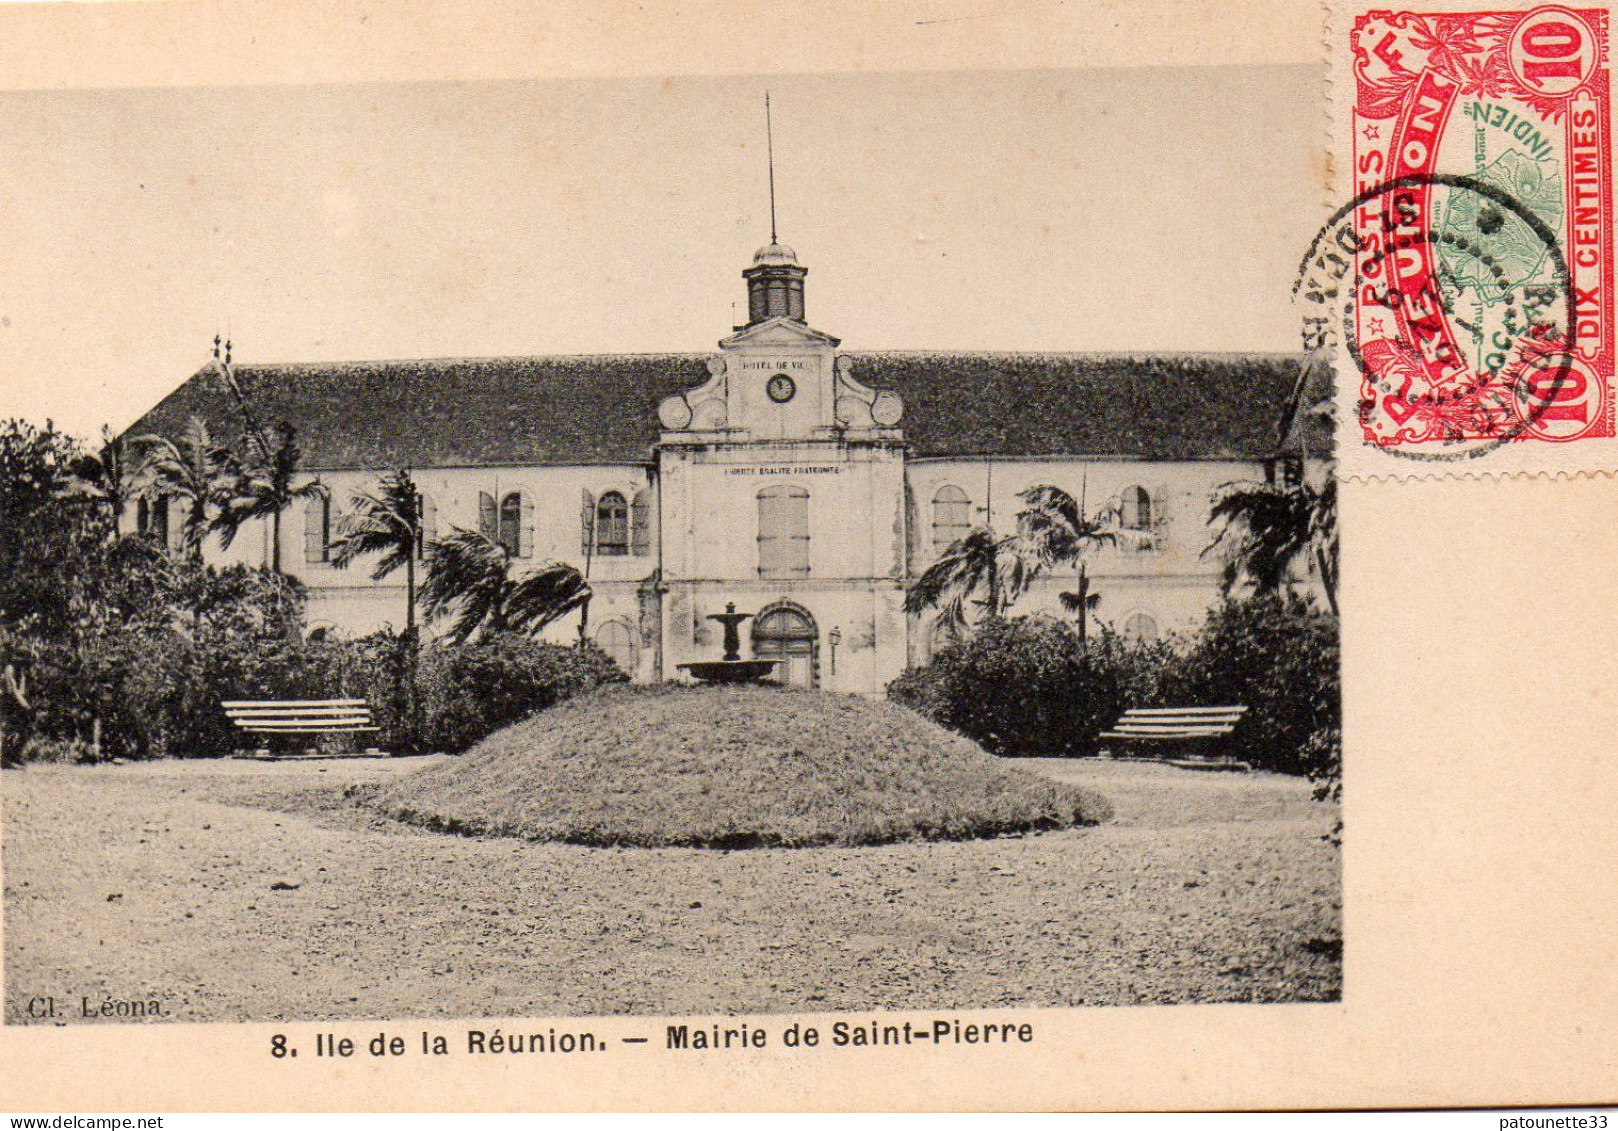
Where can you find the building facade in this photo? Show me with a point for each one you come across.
(803, 483)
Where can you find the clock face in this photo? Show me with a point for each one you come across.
(781, 388)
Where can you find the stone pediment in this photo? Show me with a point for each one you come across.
(777, 332)
(780, 380)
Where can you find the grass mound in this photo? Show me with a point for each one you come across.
(731, 767)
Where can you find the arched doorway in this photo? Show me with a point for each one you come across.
(787, 633)
(617, 640)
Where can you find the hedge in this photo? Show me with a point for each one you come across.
(1027, 687)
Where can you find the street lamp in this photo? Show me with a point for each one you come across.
(834, 638)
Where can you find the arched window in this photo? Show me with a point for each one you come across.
(510, 528)
(1141, 627)
(783, 531)
(1135, 509)
(952, 517)
(617, 640)
(612, 526)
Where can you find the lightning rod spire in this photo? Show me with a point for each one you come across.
(769, 143)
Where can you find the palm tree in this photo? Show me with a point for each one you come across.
(470, 574)
(1267, 529)
(1057, 530)
(191, 470)
(263, 488)
(103, 475)
(387, 523)
(1323, 538)
(981, 561)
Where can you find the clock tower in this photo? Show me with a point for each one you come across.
(780, 484)
(777, 378)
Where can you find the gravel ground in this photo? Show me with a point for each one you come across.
(232, 890)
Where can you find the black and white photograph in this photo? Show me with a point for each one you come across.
(1016, 555)
(688, 547)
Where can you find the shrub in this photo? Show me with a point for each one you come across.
(147, 696)
(469, 691)
(1323, 762)
(376, 668)
(1027, 687)
(1280, 657)
(59, 750)
(243, 631)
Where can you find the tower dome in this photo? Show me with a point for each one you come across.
(774, 284)
(775, 255)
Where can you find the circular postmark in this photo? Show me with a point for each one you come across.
(1455, 302)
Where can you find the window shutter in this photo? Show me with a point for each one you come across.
(783, 532)
(487, 523)
(525, 532)
(769, 539)
(428, 520)
(174, 536)
(587, 524)
(1159, 495)
(314, 528)
(640, 523)
(798, 529)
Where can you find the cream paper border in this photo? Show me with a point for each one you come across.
(1356, 458)
(1480, 702)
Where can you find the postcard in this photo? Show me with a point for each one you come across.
(922, 557)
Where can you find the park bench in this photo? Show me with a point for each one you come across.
(1197, 728)
(265, 718)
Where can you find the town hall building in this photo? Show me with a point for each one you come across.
(805, 483)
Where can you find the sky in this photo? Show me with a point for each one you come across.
(1099, 209)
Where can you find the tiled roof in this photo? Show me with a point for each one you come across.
(1164, 406)
(603, 408)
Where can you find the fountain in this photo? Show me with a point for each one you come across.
(731, 669)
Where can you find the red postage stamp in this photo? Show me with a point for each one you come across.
(1466, 282)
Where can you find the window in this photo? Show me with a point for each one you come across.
(783, 532)
(1135, 510)
(617, 640)
(143, 516)
(952, 517)
(640, 523)
(317, 528)
(510, 527)
(1141, 627)
(612, 526)
(510, 523)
